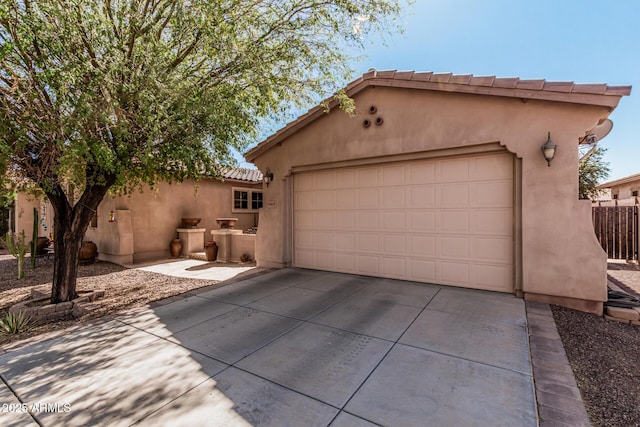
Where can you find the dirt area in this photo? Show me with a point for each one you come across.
(124, 289)
(604, 357)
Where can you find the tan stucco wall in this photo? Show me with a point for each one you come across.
(23, 212)
(146, 222)
(625, 191)
(155, 214)
(559, 256)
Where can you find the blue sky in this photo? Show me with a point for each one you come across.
(584, 41)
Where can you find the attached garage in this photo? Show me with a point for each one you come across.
(446, 221)
(440, 178)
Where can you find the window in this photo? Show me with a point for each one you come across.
(615, 196)
(246, 200)
(634, 193)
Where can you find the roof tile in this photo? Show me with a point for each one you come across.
(618, 90)
(482, 81)
(506, 82)
(462, 79)
(598, 89)
(404, 75)
(565, 87)
(388, 74)
(530, 84)
(441, 77)
(422, 76)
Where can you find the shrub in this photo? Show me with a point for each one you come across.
(15, 323)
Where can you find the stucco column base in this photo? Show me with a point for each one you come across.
(595, 307)
(222, 238)
(192, 239)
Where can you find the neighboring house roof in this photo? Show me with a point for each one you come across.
(591, 94)
(253, 176)
(621, 181)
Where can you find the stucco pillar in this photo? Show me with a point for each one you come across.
(192, 239)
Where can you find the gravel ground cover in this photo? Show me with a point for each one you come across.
(124, 289)
(605, 356)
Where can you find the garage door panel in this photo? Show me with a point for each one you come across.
(494, 194)
(367, 221)
(456, 247)
(368, 242)
(422, 196)
(497, 222)
(453, 170)
(394, 244)
(453, 273)
(324, 199)
(394, 221)
(325, 181)
(324, 220)
(345, 220)
(447, 221)
(304, 201)
(422, 221)
(454, 221)
(346, 242)
(394, 267)
(304, 220)
(325, 260)
(323, 240)
(345, 199)
(422, 172)
(367, 198)
(393, 198)
(490, 168)
(367, 177)
(491, 249)
(345, 178)
(369, 265)
(421, 245)
(453, 195)
(346, 263)
(491, 277)
(304, 239)
(393, 175)
(423, 270)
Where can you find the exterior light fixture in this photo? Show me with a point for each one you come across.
(268, 177)
(549, 150)
(112, 216)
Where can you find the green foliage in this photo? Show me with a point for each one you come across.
(99, 95)
(592, 170)
(150, 90)
(18, 248)
(15, 323)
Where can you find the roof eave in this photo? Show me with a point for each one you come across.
(586, 94)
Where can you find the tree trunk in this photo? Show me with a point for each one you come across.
(70, 225)
(66, 244)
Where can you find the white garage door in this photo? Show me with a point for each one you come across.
(446, 221)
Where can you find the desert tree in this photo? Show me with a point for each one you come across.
(105, 95)
(592, 170)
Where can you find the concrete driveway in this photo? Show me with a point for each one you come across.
(290, 347)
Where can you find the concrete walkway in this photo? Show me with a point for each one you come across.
(289, 347)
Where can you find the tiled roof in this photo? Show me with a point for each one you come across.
(242, 174)
(591, 94)
(625, 180)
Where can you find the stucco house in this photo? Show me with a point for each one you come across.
(626, 189)
(140, 226)
(441, 178)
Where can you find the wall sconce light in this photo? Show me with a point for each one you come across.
(549, 150)
(268, 177)
(112, 216)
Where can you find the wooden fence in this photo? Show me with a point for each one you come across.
(617, 230)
